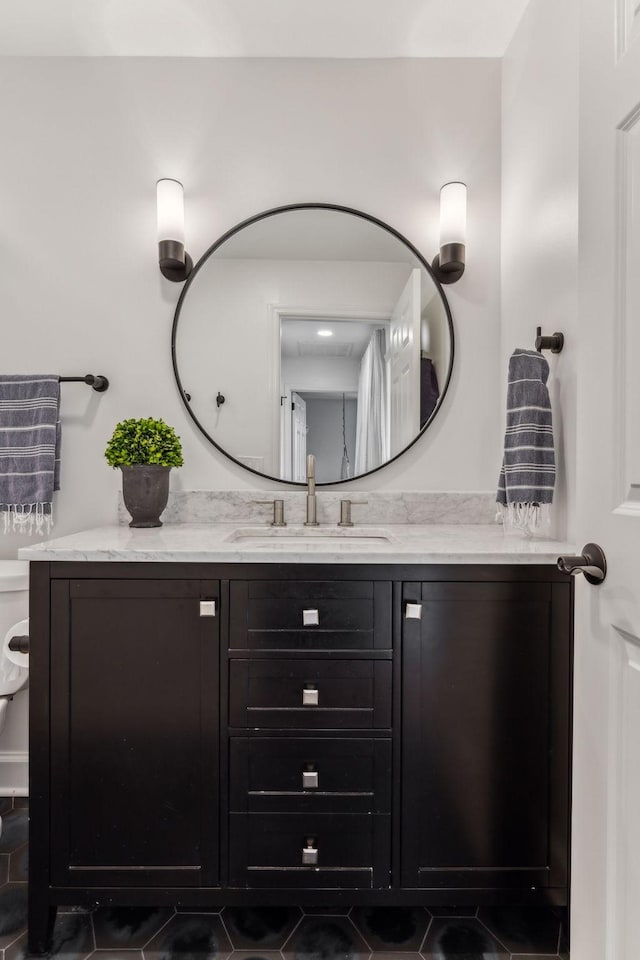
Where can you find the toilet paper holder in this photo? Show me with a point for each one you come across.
(19, 644)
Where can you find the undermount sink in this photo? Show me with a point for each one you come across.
(312, 536)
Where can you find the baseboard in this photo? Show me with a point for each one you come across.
(14, 773)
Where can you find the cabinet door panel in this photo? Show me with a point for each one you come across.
(135, 727)
(478, 734)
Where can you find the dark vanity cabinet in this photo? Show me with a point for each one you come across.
(485, 735)
(270, 733)
(134, 725)
(310, 689)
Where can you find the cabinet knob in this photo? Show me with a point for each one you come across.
(207, 608)
(310, 778)
(310, 618)
(413, 611)
(310, 852)
(310, 696)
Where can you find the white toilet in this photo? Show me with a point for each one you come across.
(14, 670)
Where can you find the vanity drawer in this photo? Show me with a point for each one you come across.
(310, 774)
(310, 694)
(309, 850)
(313, 615)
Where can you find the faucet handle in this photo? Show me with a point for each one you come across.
(345, 511)
(278, 511)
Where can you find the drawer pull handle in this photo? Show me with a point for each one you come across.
(413, 611)
(310, 853)
(310, 618)
(310, 778)
(310, 696)
(207, 608)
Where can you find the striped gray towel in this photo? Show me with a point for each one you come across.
(528, 469)
(29, 450)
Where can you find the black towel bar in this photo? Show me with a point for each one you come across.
(554, 343)
(98, 382)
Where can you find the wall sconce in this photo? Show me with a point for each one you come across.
(175, 262)
(448, 266)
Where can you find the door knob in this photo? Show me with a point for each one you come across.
(592, 562)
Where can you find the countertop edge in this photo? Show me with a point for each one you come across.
(211, 543)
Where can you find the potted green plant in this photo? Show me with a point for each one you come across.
(145, 450)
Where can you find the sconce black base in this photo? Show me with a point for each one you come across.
(175, 263)
(449, 274)
(448, 266)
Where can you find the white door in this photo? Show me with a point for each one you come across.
(404, 366)
(606, 788)
(298, 438)
(285, 433)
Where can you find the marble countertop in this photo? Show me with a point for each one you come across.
(237, 543)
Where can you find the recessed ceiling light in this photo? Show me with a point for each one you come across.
(325, 333)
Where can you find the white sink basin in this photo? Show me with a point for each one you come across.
(306, 536)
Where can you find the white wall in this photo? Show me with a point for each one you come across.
(83, 142)
(335, 374)
(540, 215)
(324, 439)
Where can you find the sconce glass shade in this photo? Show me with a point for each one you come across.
(170, 211)
(453, 213)
(175, 263)
(449, 265)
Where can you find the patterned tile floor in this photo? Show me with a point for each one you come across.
(274, 933)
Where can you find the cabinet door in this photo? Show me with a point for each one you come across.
(134, 733)
(485, 735)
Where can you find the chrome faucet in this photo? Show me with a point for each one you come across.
(312, 504)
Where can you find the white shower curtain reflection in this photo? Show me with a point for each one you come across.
(372, 436)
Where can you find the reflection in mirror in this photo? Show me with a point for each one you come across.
(326, 334)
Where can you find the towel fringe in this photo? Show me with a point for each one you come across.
(527, 517)
(28, 518)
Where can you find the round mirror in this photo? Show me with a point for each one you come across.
(312, 329)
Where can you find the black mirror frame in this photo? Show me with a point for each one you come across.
(262, 216)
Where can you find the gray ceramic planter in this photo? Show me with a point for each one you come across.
(145, 491)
